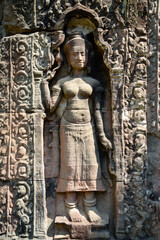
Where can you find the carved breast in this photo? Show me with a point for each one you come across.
(80, 89)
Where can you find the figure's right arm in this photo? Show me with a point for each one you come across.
(51, 101)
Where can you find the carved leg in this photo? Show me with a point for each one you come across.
(90, 207)
(71, 207)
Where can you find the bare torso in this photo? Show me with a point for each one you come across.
(77, 92)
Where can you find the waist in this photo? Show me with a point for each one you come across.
(77, 104)
(77, 116)
(83, 126)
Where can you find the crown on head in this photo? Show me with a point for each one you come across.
(76, 38)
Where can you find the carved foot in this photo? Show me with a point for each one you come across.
(91, 210)
(74, 214)
(93, 214)
(72, 211)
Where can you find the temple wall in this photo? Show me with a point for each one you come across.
(125, 61)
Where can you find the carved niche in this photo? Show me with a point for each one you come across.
(110, 73)
(123, 51)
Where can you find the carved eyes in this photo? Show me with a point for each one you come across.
(78, 54)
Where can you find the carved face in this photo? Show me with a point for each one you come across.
(78, 57)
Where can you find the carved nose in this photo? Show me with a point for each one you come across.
(79, 56)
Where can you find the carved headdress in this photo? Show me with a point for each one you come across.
(76, 38)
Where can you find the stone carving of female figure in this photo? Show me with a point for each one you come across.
(80, 123)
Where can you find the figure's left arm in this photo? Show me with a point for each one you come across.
(98, 91)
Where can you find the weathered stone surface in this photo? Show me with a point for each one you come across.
(124, 60)
(18, 16)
